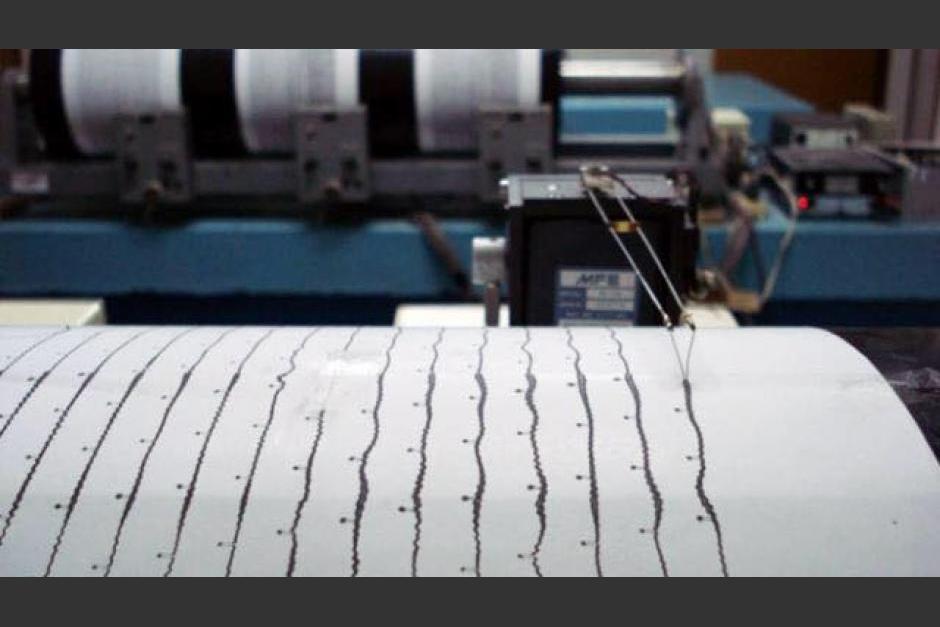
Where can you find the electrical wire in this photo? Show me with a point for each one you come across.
(771, 283)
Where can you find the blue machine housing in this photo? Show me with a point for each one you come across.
(294, 270)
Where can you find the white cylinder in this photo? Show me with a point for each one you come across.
(449, 88)
(99, 84)
(376, 451)
(452, 84)
(270, 85)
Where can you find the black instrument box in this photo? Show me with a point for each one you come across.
(565, 269)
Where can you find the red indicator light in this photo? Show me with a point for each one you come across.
(802, 203)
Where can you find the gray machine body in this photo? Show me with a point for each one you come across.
(329, 161)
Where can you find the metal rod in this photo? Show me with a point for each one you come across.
(626, 253)
(649, 246)
(652, 252)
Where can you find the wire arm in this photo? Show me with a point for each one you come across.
(626, 253)
(685, 317)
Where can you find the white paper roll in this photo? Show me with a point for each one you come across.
(99, 84)
(272, 84)
(382, 451)
(452, 84)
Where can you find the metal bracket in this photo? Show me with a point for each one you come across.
(332, 154)
(513, 141)
(153, 158)
(489, 271)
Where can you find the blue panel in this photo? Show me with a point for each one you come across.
(846, 260)
(829, 260)
(638, 115)
(615, 115)
(214, 256)
(758, 100)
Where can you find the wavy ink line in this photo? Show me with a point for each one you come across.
(30, 349)
(52, 434)
(655, 494)
(308, 470)
(302, 502)
(700, 479)
(592, 469)
(352, 336)
(363, 497)
(191, 488)
(40, 379)
(80, 485)
(138, 480)
(272, 410)
(478, 454)
(540, 498)
(423, 466)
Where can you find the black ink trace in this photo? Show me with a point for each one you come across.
(478, 454)
(700, 479)
(52, 435)
(655, 494)
(308, 474)
(40, 379)
(259, 447)
(138, 480)
(363, 497)
(423, 464)
(80, 484)
(29, 349)
(542, 495)
(592, 467)
(191, 488)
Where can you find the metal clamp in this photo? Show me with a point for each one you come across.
(153, 158)
(512, 141)
(332, 154)
(489, 271)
